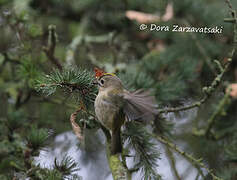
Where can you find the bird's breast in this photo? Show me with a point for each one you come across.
(105, 109)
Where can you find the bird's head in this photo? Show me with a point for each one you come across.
(107, 80)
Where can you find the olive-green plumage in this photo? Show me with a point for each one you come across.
(114, 104)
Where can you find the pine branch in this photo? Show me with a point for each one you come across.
(191, 159)
(206, 90)
(211, 120)
(172, 161)
(67, 166)
(79, 83)
(37, 138)
(61, 170)
(119, 172)
(146, 153)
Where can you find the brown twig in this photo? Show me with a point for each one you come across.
(8, 59)
(20, 100)
(229, 5)
(49, 50)
(232, 20)
(76, 128)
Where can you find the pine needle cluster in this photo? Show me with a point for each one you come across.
(146, 152)
(75, 81)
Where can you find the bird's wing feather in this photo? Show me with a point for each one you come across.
(140, 105)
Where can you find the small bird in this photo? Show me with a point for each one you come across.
(114, 104)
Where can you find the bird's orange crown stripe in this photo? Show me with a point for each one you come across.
(100, 73)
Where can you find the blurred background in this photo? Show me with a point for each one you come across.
(107, 34)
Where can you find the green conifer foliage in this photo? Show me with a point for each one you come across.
(48, 50)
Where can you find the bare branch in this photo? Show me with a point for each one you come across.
(49, 50)
(191, 159)
(119, 171)
(211, 120)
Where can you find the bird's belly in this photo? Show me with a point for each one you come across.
(105, 112)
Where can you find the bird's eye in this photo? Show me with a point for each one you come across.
(102, 81)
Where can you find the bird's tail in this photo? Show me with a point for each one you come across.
(116, 144)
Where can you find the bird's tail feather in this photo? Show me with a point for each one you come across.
(116, 145)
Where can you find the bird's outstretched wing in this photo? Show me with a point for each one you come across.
(140, 105)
